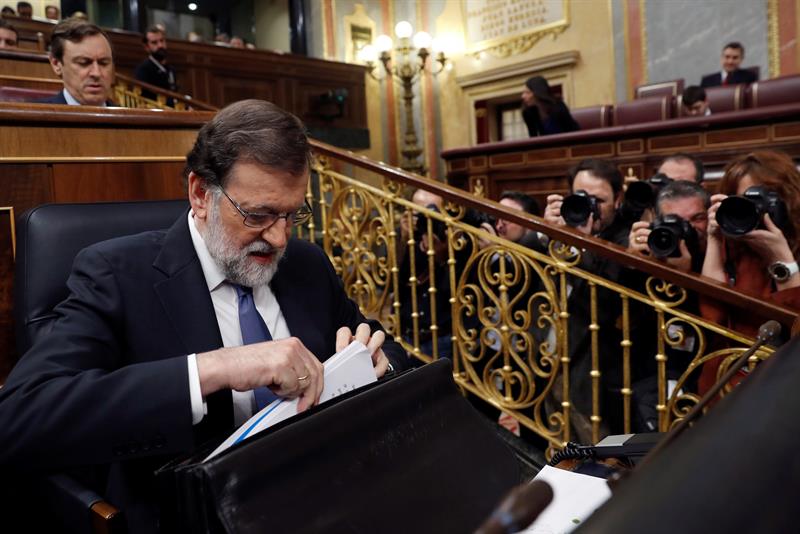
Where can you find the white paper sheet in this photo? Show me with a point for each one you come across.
(575, 498)
(345, 371)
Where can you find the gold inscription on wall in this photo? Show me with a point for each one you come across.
(505, 27)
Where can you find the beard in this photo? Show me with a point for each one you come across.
(235, 263)
(160, 54)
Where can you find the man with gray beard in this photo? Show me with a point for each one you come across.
(174, 336)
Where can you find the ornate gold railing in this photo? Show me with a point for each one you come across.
(128, 94)
(510, 306)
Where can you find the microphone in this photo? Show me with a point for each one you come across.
(520, 507)
(768, 331)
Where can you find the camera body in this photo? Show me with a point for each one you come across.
(577, 207)
(740, 215)
(641, 195)
(666, 234)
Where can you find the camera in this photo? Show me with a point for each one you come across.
(577, 208)
(666, 234)
(641, 195)
(740, 215)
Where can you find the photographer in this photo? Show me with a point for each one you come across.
(596, 186)
(760, 261)
(689, 202)
(418, 227)
(682, 223)
(516, 200)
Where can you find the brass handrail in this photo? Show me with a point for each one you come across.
(702, 285)
(510, 320)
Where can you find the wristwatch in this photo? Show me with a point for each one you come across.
(781, 271)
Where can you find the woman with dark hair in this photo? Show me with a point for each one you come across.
(544, 113)
(762, 262)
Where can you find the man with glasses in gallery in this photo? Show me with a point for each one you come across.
(173, 336)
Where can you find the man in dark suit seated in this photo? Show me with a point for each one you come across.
(80, 54)
(732, 57)
(155, 70)
(171, 337)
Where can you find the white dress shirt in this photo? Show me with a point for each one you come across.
(71, 99)
(226, 309)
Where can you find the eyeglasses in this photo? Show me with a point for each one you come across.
(266, 220)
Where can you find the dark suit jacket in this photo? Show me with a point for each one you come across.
(109, 384)
(737, 76)
(57, 98)
(559, 121)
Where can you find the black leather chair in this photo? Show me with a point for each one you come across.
(48, 238)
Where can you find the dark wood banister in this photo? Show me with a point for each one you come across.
(703, 285)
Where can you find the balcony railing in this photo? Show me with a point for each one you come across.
(510, 313)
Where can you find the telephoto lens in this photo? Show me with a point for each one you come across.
(666, 234)
(738, 216)
(577, 207)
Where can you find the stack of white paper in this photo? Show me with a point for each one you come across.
(345, 371)
(575, 498)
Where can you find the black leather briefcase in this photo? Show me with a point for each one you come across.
(408, 454)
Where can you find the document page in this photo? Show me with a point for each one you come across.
(345, 371)
(575, 498)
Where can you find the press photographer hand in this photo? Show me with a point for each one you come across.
(637, 238)
(552, 212)
(714, 231)
(769, 242)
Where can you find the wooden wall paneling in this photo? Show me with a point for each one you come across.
(25, 186)
(716, 140)
(119, 181)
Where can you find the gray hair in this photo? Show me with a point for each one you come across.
(249, 130)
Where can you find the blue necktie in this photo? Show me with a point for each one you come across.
(254, 330)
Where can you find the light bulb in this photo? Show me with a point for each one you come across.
(383, 43)
(422, 40)
(368, 54)
(403, 29)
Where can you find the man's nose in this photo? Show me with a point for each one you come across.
(94, 70)
(276, 235)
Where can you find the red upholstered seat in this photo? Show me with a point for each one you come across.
(671, 88)
(643, 110)
(774, 92)
(593, 117)
(21, 94)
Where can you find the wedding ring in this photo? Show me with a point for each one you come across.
(304, 377)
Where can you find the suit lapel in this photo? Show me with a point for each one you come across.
(183, 293)
(187, 303)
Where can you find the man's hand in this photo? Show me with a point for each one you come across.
(682, 262)
(637, 238)
(552, 212)
(373, 342)
(279, 365)
(486, 227)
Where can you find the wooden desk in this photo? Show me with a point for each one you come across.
(64, 154)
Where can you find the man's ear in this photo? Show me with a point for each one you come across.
(199, 195)
(56, 64)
